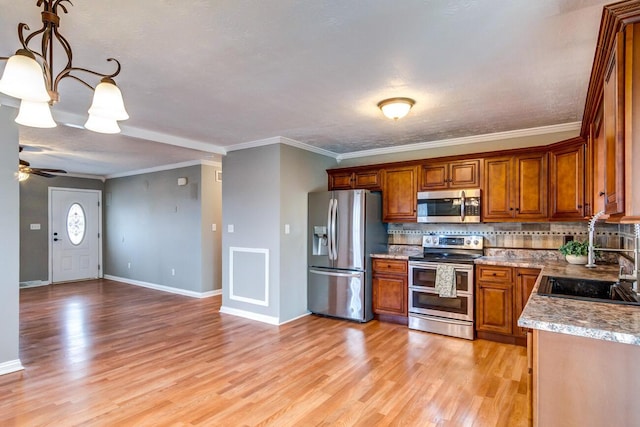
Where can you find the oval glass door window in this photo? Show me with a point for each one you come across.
(76, 224)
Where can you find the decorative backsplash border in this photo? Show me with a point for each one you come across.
(516, 235)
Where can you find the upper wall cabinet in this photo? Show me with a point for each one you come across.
(342, 179)
(611, 122)
(614, 91)
(399, 194)
(566, 181)
(515, 188)
(442, 176)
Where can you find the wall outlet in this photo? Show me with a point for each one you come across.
(214, 227)
(230, 228)
(128, 265)
(173, 271)
(287, 229)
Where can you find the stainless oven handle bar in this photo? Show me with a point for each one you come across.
(437, 319)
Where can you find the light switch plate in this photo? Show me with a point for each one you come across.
(34, 226)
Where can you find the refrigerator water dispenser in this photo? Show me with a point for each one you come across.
(320, 240)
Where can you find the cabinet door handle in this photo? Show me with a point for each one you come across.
(579, 206)
(601, 193)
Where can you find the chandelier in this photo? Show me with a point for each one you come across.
(29, 75)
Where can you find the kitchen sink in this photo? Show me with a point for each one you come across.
(588, 290)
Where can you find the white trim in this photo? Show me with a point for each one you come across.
(232, 295)
(475, 139)
(165, 168)
(100, 233)
(251, 316)
(282, 140)
(79, 175)
(11, 366)
(164, 288)
(33, 284)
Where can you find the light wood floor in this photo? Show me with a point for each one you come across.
(105, 353)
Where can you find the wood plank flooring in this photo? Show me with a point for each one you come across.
(102, 353)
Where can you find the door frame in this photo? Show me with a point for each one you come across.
(100, 239)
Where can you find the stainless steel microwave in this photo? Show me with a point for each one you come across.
(449, 206)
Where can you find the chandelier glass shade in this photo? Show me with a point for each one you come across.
(35, 114)
(396, 108)
(29, 76)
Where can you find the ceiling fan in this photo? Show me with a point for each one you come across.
(25, 169)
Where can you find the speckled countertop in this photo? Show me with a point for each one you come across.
(398, 252)
(603, 321)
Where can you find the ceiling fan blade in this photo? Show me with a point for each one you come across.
(40, 173)
(49, 170)
(24, 162)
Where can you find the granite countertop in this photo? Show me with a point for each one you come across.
(395, 252)
(603, 321)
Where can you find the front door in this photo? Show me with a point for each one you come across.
(75, 223)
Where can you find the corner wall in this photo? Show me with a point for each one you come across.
(264, 267)
(9, 253)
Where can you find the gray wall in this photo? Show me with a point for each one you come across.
(211, 195)
(265, 188)
(155, 226)
(9, 226)
(34, 209)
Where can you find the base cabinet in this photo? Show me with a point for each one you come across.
(390, 288)
(501, 294)
(584, 382)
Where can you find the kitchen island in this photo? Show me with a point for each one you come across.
(582, 354)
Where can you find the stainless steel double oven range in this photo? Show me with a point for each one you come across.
(430, 312)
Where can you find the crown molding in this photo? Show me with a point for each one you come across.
(475, 139)
(282, 140)
(165, 168)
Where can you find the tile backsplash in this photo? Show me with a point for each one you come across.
(550, 235)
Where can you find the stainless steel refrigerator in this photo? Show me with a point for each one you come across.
(345, 227)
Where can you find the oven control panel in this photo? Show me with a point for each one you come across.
(459, 242)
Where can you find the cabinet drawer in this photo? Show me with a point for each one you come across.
(389, 266)
(494, 274)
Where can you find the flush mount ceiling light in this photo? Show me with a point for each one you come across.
(396, 108)
(29, 76)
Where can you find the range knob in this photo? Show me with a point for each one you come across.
(475, 242)
(467, 242)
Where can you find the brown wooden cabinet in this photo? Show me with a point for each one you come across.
(614, 93)
(494, 300)
(501, 294)
(515, 188)
(441, 176)
(399, 194)
(525, 279)
(390, 288)
(348, 179)
(567, 181)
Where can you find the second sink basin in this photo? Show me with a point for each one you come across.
(588, 290)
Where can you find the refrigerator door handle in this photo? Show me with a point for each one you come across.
(333, 273)
(329, 240)
(334, 226)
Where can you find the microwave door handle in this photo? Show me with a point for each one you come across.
(462, 205)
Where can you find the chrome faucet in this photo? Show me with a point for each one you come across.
(636, 252)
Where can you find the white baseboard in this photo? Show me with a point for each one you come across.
(258, 317)
(163, 288)
(249, 315)
(34, 283)
(10, 366)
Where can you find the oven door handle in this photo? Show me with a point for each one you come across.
(462, 205)
(450, 321)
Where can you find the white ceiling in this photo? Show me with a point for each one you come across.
(202, 76)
